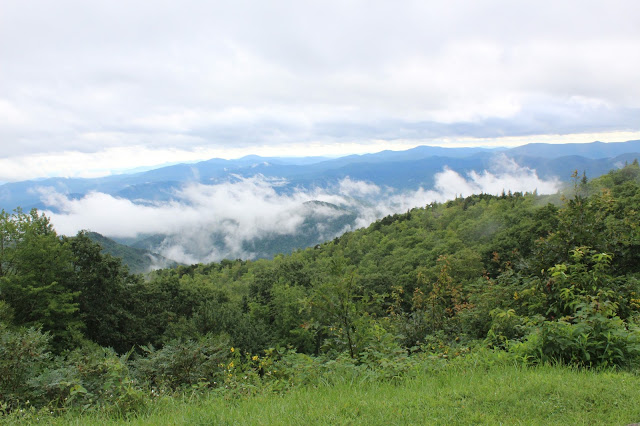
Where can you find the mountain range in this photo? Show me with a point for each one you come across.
(408, 169)
(256, 207)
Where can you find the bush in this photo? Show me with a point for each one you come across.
(183, 363)
(593, 341)
(507, 327)
(23, 354)
(89, 377)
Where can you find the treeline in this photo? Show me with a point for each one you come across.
(542, 281)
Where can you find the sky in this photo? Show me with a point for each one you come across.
(90, 88)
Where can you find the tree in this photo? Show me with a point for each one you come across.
(340, 307)
(35, 272)
(103, 286)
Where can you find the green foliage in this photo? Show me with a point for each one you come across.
(35, 270)
(64, 285)
(90, 377)
(506, 327)
(103, 287)
(593, 340)
(583, 325)
(23, 354)
(185, 363)
(137, 260)
(339, 310)
(525, 278)
(292, 325)
(484, 389)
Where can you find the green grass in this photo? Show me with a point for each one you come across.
(542, 395)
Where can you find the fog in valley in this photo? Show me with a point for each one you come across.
(205, 223)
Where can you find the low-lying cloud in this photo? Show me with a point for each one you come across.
(204, 223)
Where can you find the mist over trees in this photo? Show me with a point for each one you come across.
(260, 216)
(257, 207)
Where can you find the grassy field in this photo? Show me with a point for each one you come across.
(541, 395)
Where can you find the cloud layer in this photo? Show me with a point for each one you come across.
(209, 222)
(88, 77)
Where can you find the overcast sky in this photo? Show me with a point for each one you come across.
(89, 87)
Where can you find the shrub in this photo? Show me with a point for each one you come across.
(593, 340)
(23, 354)
(183, 363)
(506, 327)
(89, 377)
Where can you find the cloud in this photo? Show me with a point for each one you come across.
(357, 188)
(248, 206)
(204, 223)
(505, 175)
(90, 77)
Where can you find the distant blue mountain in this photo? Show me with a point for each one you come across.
(593, 150)
(402, 170)
(307, 223)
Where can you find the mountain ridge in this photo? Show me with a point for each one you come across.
(259, 206)
(419, 163)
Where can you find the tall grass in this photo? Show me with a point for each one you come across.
(458, 393)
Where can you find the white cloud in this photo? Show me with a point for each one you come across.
(122, 159)
(205, 223)
(355, 188)
(91, 77)
(505, 175)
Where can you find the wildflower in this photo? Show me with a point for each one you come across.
(255, 357)
(233, 349)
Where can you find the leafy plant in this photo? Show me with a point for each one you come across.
(23, 354)
(183, 363)
(90, 377)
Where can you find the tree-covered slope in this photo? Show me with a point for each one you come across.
(138, 260)
(536, 281)
(441, 270)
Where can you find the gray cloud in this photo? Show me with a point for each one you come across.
(89, 76)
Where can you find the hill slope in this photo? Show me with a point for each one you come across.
(136, 259)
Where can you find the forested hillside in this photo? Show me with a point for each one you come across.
(138, 260)
(541, 281)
